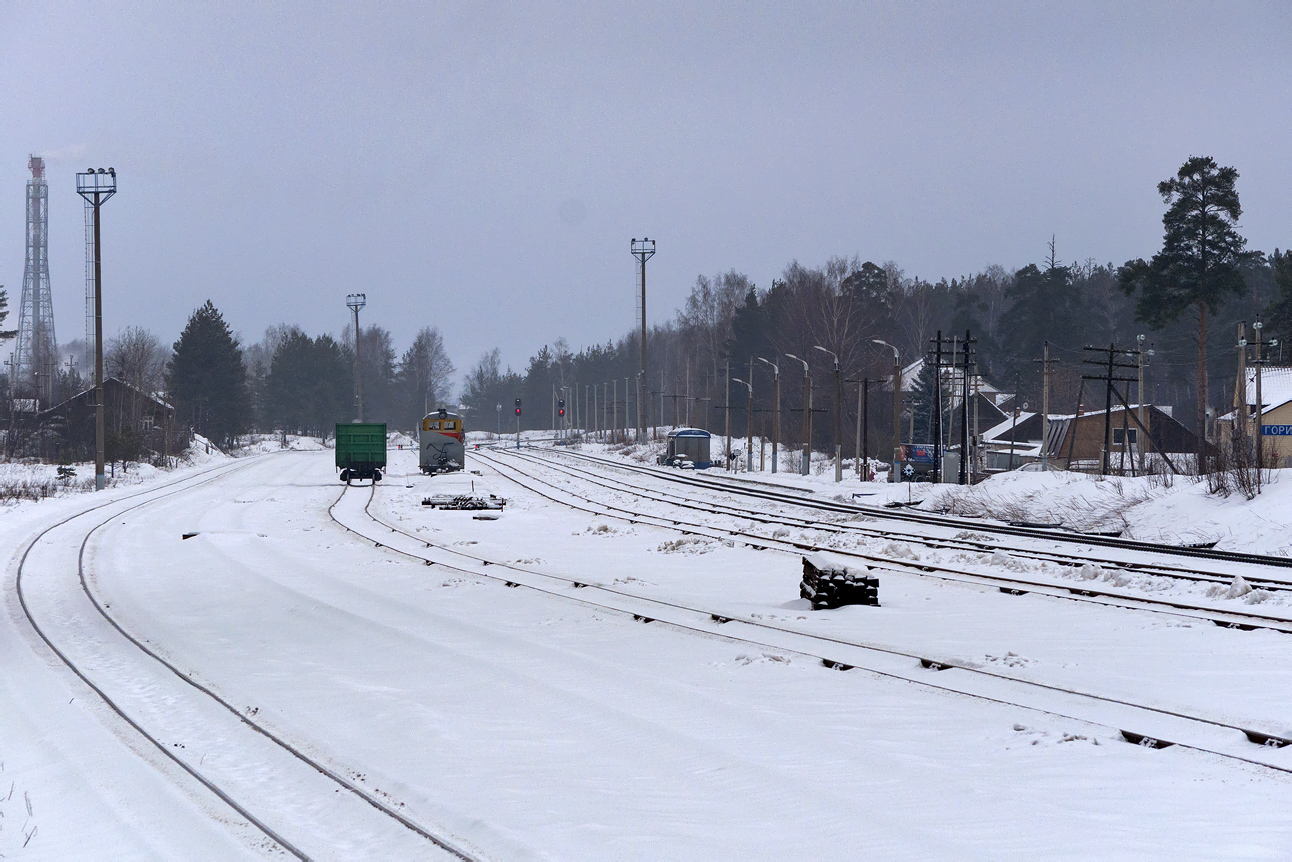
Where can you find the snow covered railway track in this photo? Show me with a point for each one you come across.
(168, 707)
(1141, 724)
(1011, 584)
(767, 492)
(959, 542)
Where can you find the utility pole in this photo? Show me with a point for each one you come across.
(894, 474)
(807, 417)
(1260, 405)
(861, 448)
(1045, 401)
(727, 407)
(1240, 389)
(1139, 391)
(776, 409)
(966, 477)
(96, 186)
(937, 408)
(838, 414)
(643, 251)
(1109, 379)
(354, 302)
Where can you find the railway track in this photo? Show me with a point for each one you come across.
(242, 808)
(767, 492)
(1142, 724)
(1007, 583)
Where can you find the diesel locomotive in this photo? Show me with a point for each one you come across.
(441, 441)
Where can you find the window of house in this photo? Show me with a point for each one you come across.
(146, 423)
(1119, 436)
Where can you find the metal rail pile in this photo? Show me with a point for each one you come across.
(464, 502)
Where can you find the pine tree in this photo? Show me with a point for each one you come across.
(207, 380)
(4, 312)
(1198, 266)
(308, 388)
(1279, 314)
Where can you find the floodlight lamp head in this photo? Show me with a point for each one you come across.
(356, 301)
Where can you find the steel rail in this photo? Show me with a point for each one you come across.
(1012, 585)
(936, 542)
(287, 746)
(958, 523)
(112, 704)
(1253, 736)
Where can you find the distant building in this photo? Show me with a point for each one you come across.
(135, 425)
(1275, 414)
(1077, 442)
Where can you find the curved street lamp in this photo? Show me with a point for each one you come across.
(749, 427)
(893, 475)
(807, 417)
(838, 413)
(776, 407)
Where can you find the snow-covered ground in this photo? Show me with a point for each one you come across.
(526, 725)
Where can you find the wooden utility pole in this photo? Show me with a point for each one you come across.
(1045, 404)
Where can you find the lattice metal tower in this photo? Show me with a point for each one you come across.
(36, 356)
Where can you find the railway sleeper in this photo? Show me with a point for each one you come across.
(1144, 741)
(1266, 739)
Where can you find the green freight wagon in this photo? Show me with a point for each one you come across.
(361, 450)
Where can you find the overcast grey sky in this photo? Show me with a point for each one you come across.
(482, 167)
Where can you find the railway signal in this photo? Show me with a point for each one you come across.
(560, 407)
(517, 406)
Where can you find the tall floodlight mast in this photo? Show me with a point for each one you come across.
(36, 354)
(643, 251)
(354, 302)
(96, 186)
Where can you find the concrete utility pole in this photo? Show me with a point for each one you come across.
(1260, 406)
(727, 407)
(776, 408)
(96, 187)
(861, 447)
(643, 251)
(894, 473)
(1139, 391)
(838, 414)
(805, 468)
(749, 436)
(1240, 390)
(354, 302)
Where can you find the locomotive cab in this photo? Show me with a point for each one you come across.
(441, 442)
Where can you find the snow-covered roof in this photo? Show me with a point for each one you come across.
(1276, 389)
(688, 432)
(992, 434)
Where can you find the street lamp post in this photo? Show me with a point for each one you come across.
(838, 414)
(96, 187)
(776, 408)
(354, 302)
(500, 421)
(807, 417)
(897, 411)
(749, 427)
